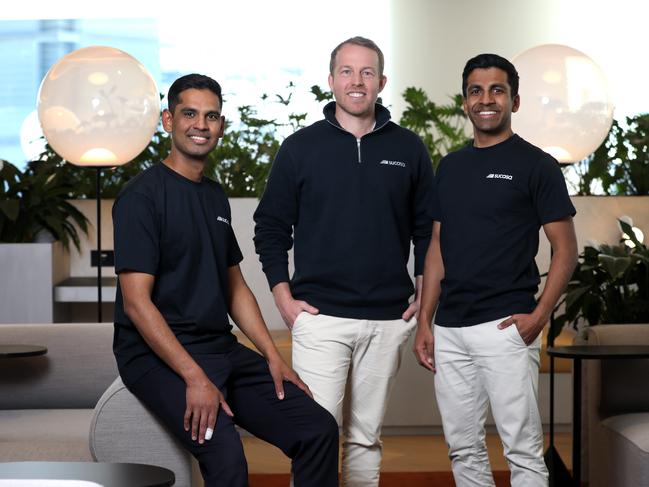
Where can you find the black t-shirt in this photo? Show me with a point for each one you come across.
(179, 231)
(491, 203)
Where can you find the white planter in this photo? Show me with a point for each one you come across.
(28, 273)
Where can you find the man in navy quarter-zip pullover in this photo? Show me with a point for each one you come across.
(350, 193)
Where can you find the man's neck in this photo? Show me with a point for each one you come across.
(189, 168)
(482, 140)
(358, 126)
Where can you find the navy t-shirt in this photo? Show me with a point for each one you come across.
(491, 203)
(177, 230)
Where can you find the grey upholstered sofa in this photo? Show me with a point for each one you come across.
(615, 431)
(68, 405)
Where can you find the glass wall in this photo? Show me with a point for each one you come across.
(252, 48)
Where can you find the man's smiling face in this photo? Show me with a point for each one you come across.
(356, 81)
(196, 124)
(488, 102)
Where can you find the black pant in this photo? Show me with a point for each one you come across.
(298, 426)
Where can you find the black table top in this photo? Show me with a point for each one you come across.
(587, 352)
(106, 474)
(12, 351)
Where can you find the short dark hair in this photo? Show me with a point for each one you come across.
(358, 41)
(485, 61)
(189, 81)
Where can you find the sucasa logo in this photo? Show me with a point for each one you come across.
(500, 176)
(224, 220)
(392, 163)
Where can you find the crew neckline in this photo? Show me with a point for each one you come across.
(507, 141)
(179, 176)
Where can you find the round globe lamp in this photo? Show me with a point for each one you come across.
(565, 104)
(98, 107)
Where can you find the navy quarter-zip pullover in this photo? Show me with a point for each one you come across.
(350, 208)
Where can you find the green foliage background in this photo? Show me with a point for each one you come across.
(35, 199)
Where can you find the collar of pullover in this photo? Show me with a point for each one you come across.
(381, 113)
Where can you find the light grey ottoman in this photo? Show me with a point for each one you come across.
(123, 430)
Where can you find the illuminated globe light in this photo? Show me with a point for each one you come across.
(565, 106)
(98, 106)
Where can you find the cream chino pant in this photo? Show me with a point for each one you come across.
(478, 366)
(351, 362)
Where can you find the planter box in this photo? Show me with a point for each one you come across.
(29, 272)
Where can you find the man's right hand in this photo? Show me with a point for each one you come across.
(424, 351)
(288, 307)
(203, 401)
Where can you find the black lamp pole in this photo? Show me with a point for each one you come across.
(99, 259)
(557, 470)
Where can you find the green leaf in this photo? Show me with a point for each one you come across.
(10, 208)
(573, 297)
(615, 266)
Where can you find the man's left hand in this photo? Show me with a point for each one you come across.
(280, 372)
(528, 325)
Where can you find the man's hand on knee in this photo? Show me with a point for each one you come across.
(203, 400)
(280, 372)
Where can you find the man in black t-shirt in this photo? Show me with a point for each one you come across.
(480, 277)
(178, 264)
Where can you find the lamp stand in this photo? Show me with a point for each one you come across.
(557, 470)
(98, 194)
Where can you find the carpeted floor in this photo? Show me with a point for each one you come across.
(388, 479)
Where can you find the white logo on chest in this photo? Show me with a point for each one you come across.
(392, 163)
(224, 220)
(500, 176)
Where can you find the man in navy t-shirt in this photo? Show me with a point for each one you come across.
(178, 264)
(480, 278)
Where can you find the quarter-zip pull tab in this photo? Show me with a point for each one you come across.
(358, 145)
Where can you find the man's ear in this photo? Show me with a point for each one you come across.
(516, 103)
(222, 131)
(166, 120)
(382, 82)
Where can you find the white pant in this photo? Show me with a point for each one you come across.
(481, 365)
(354, 360)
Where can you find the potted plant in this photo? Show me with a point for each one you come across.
(34, 202)
(609, 285)
(33, 210)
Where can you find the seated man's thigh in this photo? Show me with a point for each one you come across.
(253, 399)
(164, 393)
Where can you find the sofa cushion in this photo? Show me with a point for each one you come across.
(45, 434)
(77, 369)
(627, 438)
(634, 428)
(622, 392)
